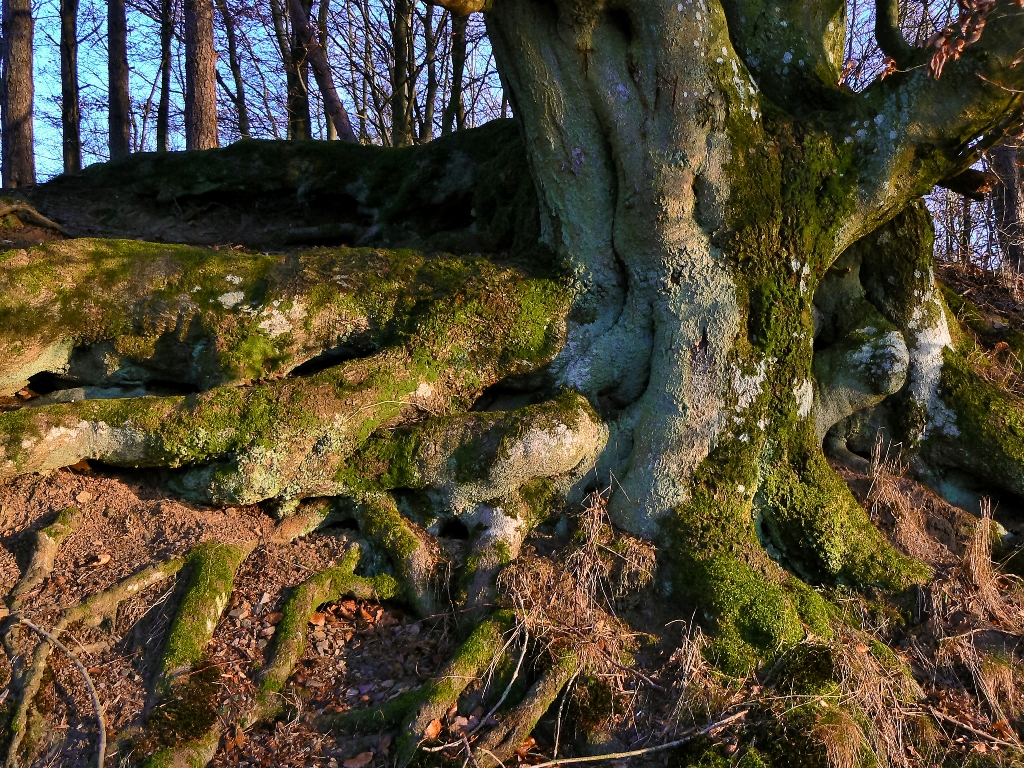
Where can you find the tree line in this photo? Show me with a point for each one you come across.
(193, 74)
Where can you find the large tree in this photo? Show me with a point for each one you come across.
(738, 272)
(16, 94)
(200, 76)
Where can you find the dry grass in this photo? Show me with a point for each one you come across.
(568, 603)
(889, 504)
(842, 738)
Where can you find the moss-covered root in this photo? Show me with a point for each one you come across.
(48, 540)
(92, 611)
(501, 742)
(211, 577)
(193, 754)
(440, 694)
(290, 639)
(412, 550)
(504, 524)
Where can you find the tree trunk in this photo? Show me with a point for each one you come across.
(311, 52)
(238, 95)
(296, 69)
(426, 132)
(118, 100)
(164, 107)
(70, 116)
(19, 164)
(1008, 197)
(401, 112)
(455, 112)
(322, 15)
(200, 76)
(699, 224)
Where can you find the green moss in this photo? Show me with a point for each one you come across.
(186, 713)
(63, 526)
(211, 574)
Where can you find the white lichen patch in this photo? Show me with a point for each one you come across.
(747, 388)
(231, 298)
(233, 279)
(804, 394)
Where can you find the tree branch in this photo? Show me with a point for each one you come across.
(890, 37)
(464, 7)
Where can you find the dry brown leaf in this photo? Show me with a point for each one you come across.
(274, 618)
(359, 761)
(317, 619)
(433, 730)
(101, 559)
(861, 649)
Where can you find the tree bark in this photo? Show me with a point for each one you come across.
(296, 69)
(313, 53)
(19, 165)
(322, 15)
(69, 106)
(426, 132)
(401, 107)
(455, 112)
(238, 95)
(164, 106)
(118, 99)
(1008, 198)
(200, 76)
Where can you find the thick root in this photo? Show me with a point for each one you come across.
(501, 742)
(438, 696)
(290, 637)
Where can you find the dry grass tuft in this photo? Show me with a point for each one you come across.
(889, 503)
(568, 604)
(875, 683)
(842, 737)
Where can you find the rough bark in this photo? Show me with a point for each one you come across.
(17, 91)
(118, 99)
(200, 76)
(323, 11)
(1008, 197)
(70, 116)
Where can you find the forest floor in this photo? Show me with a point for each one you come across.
(363, 653)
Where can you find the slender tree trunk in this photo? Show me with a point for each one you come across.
(70, 116)
(19, 165)
(430, 57)
(296, 69)
(118, 99)
(455, 112)
(323, 13)
(313, 53)
(401, 127)
(200, 76)
(164, 106)
(1008, 198)
(235, 64)
(966, 229)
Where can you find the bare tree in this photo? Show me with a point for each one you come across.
(200, 76)
(455, 112)
(70, 111)
(313, 53)
(16, 97)
(237, 94)
(401, 96)
(164, 105)
(323, 11)
(296, 69)
(119, 101)
(1008, 199)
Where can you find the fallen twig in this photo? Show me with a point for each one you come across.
(648, 750)
(101, 748)
(965, 727)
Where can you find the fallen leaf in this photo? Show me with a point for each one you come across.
(433, 730)
(365, 615)
(861, 649)
(359, 761)
(385, 744)
(458, 724)
(317, 619)
(101, 559)
(83, 497)
(274, 618)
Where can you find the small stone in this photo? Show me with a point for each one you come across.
(319, 635)
(239, 613)
(268, 631)
(261, 644)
